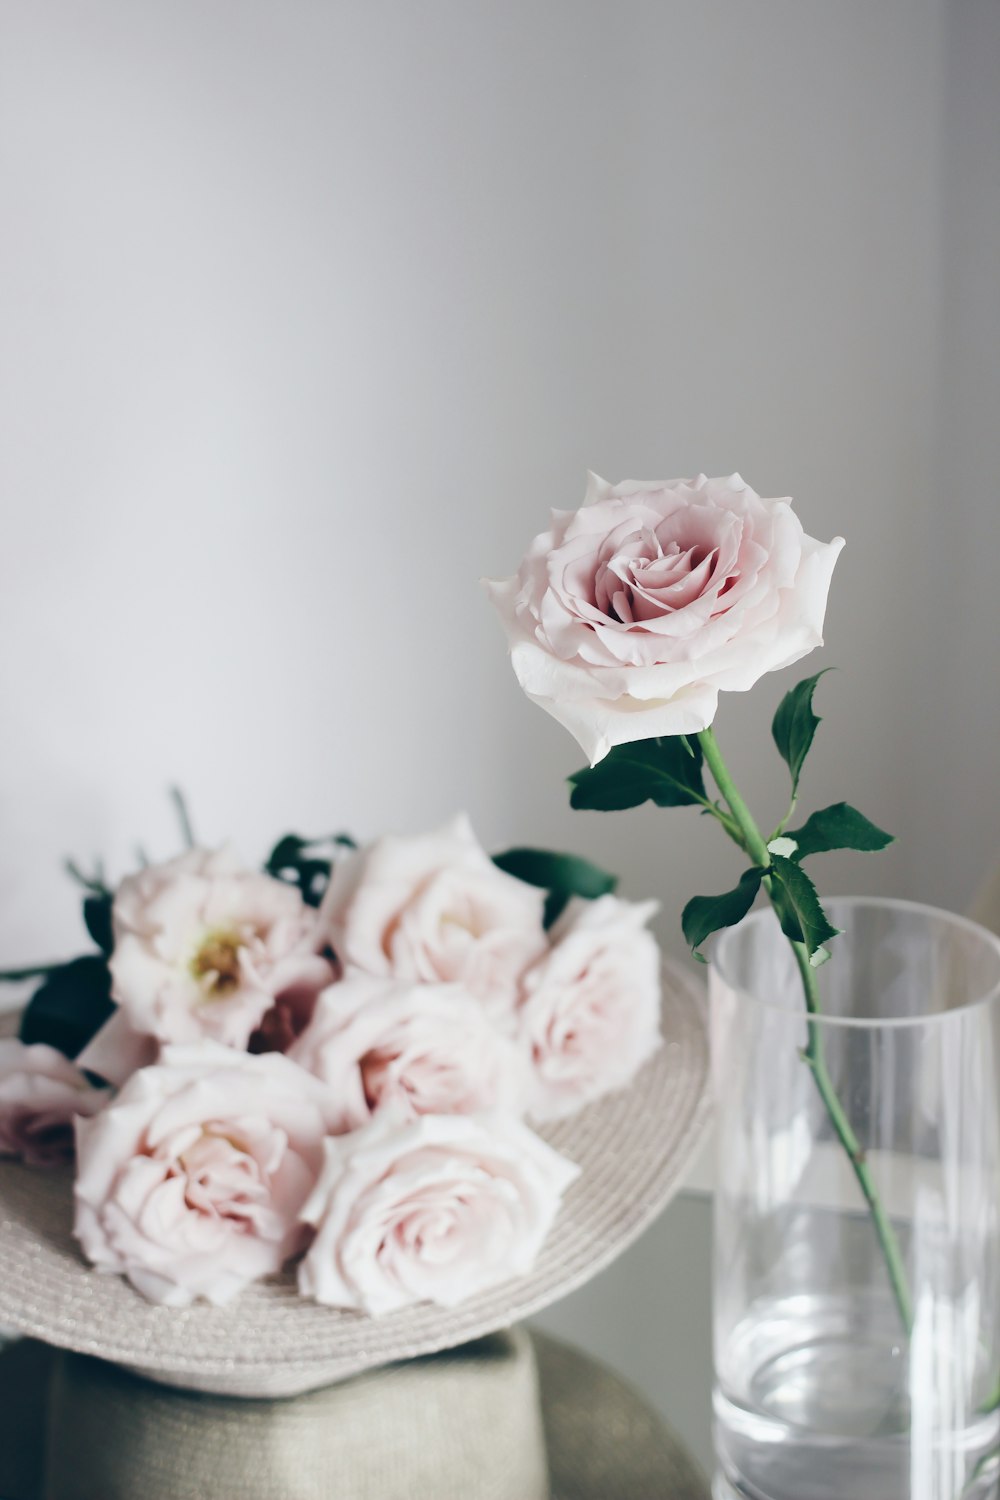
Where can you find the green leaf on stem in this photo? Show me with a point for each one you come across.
(27, 971)
(285, 853)
(665, 771)
(93, 883)
(562, 875)
(71, 1006)
(183, 817)
(838, 827)
(306, 863)
(794, 725)
(704, 915)
(97, 917)
(802, 918)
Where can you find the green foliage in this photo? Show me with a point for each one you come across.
(71, 1006)
(704, 915)
(802, 918)
(795, 724)
(562, 875)
(665, 771)
(97, 918)
(306, 863)
(92, 883)
(838, 827)
(183, 817)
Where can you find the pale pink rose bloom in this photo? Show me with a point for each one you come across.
(204, 947)
(41, 1094)
(590, 1016)
(393, 1046)
(434, 1211)
(629, 616)
(191, 1182)
(434, 907)
(116, 1050)
(292, 1010)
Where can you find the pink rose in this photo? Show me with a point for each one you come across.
(434, 1211)
(204, 947)
(117, 1050)
(591, 1011)
(41, 1093)
(629, 616)
(191, 1181)
(384, 1045)
(435, 908)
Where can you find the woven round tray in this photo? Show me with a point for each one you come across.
(632, 1148)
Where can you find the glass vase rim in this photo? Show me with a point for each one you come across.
(872, 1023)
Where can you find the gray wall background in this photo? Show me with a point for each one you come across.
(310, 311)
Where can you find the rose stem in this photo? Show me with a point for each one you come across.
(813, 1056)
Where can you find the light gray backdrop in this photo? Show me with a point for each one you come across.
(311, 310)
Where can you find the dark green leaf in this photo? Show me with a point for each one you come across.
(704, 915)
(799, 911)
(93, 883)
(838, 827)
(285, 853)
(183, 817)
(665, 771)
(29, 971)
(562, 875)
(795, 724)
(71, 1006)
(293, 848)
(97, 916)
(312, 876)
(306, 863)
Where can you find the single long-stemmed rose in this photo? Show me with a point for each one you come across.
(626, 619)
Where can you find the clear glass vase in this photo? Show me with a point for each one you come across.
(827, 1386)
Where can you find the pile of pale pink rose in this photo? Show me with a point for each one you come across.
(350, 1087)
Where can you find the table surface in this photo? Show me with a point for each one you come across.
(647, 1317)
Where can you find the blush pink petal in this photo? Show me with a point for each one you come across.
(432, 1211)
(191, 1181)
(42, 1094)
(117, 1050)
(591, 1013)
(434, 908)
(627, 618)
(392, 1046)
(168, 917)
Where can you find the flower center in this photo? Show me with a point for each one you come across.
(217, 964)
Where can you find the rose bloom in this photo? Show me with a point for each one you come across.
(629, 616)
(434, 1211)
(384, 1045)
(590, 1016)
(41, 1093)
(204, 947)
(434, 907)
(191, 1181)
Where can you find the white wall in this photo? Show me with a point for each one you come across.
(951, 713)
(310, 311)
